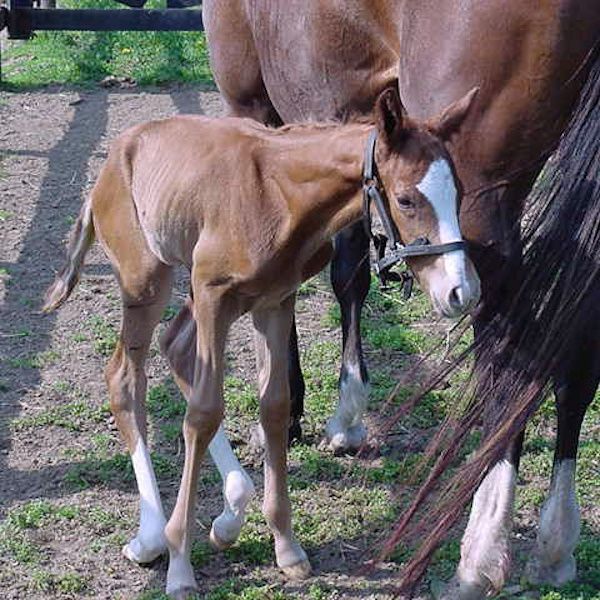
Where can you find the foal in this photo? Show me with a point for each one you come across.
(251, 212)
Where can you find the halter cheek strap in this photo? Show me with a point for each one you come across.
(374, 192)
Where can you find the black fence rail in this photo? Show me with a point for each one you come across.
(22, 18)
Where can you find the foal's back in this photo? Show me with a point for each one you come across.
(184, 176)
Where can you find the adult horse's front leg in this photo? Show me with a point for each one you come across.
(350, 276)
(179, 346)
(272, 333)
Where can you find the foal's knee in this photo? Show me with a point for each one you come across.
(203, 418)
(275, 410)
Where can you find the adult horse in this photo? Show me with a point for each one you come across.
(279, 61)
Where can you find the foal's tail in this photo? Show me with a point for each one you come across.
(535, 330)
(81, 238)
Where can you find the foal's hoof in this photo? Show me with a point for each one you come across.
(186, 593)
(218, 543)
(297, 572)
(142, 554)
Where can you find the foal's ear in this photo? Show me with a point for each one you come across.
(389, 114)
(449, 121)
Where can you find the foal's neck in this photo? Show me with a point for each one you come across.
(322, 174)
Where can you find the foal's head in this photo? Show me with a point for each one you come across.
(424, 197)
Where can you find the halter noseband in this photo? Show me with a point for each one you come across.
(373, 191)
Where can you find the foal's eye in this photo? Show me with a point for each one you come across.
(405, 202)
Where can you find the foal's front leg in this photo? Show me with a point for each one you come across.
(179, 346)
(213, 316)
(272, 335)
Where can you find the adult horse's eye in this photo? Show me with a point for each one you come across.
(405, 202)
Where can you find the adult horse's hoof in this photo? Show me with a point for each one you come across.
(345, 441)
(295, 431)
(297, 572)
(142, 554)
(463, 590)
(556, 575)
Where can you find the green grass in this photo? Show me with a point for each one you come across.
(58, 584)
(75, 416)
(15, 541)
(82, 58)
(104, 335)
(164, 402)
(35, 361)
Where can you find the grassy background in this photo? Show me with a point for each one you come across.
(86, 57)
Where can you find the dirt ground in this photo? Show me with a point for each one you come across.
(58, 444)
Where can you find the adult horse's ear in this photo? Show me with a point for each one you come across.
(389, 114)
(449, 121)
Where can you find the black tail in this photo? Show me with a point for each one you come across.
(538, 327)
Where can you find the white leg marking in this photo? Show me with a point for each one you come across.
(485, 552)
(345, 429)
(150, 541)
(560, 525)
(238, 490)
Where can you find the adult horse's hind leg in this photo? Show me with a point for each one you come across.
(350, 276)
(145, 289)
(272, 333)
(553, 561)
(178, 344)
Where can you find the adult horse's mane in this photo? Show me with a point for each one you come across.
(539, 321)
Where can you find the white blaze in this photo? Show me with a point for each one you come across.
(438, 187)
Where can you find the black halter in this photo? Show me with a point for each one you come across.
(373, 190)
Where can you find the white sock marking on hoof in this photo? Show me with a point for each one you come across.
(485, 549)
(238, 490)
(560, 524)
(345, 430)
(180, 576)
(292, 560)
(150, 541)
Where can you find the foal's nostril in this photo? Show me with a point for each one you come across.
(456, 298)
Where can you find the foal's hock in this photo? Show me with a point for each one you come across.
(251, 212)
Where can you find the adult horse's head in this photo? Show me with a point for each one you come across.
(423, 196)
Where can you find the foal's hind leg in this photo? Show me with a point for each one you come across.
(144, 299)
(350, 278)
(553, 561)
(145, 289)
(179, 346)
(272, 335)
